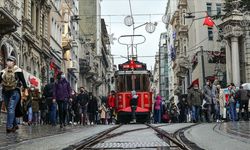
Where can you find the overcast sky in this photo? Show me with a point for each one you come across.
(118, 9)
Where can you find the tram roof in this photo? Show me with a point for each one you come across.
(132, 72)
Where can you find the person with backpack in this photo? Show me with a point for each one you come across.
(48, 95)
(12, 79)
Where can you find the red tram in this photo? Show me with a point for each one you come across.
(133, 75)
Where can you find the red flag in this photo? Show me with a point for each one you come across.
(208, 21)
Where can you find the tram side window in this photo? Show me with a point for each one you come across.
(137, 83)
(129, 83)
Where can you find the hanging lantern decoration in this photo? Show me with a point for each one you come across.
(129, 21)
(150, 27)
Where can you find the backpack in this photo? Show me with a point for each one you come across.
(9, 80)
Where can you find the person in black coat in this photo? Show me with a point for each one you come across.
(12, 79)
(92, 109)
(133, 104)
(83, 99)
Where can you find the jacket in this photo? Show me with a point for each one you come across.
(243, 94)
(83, 99)
(111, 101)
(134, 100)
(62, 90)
(158, 103)
(92, 106)
(210, 94)
(194, 97)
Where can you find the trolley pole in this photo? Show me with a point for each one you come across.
(202, 65)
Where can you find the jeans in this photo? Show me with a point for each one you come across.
(133, 108)
(233, 114)
(62, 107)
(30, 114)
(11, 99)
(208, 112)
(196, 113)
(157, 116)
(52, 113)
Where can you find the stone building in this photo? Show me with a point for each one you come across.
(94, 59)
(236, 40)
(195, 49)
(30, 43)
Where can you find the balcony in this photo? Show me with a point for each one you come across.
(8, 19)
(73, 65)
(182, 66)
(183, 30)
(84, 65)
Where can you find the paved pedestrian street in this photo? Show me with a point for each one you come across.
(43, 137)
(229, 136)
(212, 136)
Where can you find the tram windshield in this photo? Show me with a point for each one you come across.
(129, 82)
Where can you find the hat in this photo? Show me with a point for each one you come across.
(11, 58)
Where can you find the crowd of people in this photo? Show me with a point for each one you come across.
(55, 104)
(59, 105)
(210, 104)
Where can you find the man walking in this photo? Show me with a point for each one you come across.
(12, 79)
(83, 100)
(195, 101)
(48, 95)
(61, 95)
(244, 100)
(210, 98)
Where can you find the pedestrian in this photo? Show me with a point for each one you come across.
(12, 79)
(183, 107)
(83, 99)
(173, 112)
(232, 102)
(195, 98)
(1, 102)
(244, 96)
(221, 100)
(71, 113)
(103, 111)
(157, 109)
(209, 92)
(111, 105)
(34, 99)
(133, 105)
(92, 109)
(52, 106)
(62, 95)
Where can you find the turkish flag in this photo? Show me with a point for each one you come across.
(208, 21)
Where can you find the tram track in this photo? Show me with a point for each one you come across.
(173, 140)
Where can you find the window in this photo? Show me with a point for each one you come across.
(37, 20)
(63, 28)
(209, 9)
(218, 8)
(43, 25)
(210, 34)
(32, 12)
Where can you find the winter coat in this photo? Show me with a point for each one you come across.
(243, 94)
(194, 97)
(222, 101)
(62, 90)
(111, 101)
(210, 94)
(134, 100)
(103, 111)
(158, 103)
(83, 99)
(92, 106)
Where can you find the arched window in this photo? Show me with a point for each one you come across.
(3, 57)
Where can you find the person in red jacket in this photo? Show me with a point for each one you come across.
(111, 105)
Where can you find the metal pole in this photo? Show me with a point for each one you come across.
(202, 66)
(160, 70)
